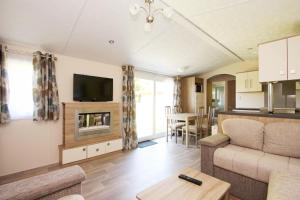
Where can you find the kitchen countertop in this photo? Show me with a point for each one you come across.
(262, 114)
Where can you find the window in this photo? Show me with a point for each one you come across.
(20, 98)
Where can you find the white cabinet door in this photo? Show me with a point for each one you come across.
(273, 61)
(254, 85)
(241, 82)
(113, 145)
(96, 150)
(294, 58)
(297, 85)
(74, 154)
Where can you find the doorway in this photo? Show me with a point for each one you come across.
(218, 95)
(221, 92)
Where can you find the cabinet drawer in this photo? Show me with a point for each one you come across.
(74, 154)
(96, 150)
(113, 145)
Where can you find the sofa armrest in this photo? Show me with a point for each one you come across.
(214, 140)
(44, 185)
(208, 148)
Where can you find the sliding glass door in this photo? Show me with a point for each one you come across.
(144, 94)
(152, 95)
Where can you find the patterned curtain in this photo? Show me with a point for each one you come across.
(45, 93)
(177, 93)
(128, 99)
(4, 112)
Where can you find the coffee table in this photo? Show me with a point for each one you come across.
(178, 189)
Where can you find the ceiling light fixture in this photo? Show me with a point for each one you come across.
(134, 9)
(182, 69)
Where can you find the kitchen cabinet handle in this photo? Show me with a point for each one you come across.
(250, 83)
(97, 149)
(83, 149)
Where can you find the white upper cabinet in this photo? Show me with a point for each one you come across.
(294, 58)
(248, 82)
(241, 82)
(254, 84)
(273, 61)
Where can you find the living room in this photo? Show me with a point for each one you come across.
(115, 99)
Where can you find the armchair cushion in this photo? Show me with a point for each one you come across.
(244, 132)
(214, 140)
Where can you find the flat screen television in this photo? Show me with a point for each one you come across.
(92, 88)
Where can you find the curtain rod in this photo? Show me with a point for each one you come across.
(23, 52)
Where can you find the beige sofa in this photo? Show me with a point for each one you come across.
(248, 152)
(52, 185)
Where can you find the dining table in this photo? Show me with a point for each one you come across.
(186, 117)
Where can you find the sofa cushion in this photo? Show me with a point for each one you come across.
(294, 165)
(223, 157)
(246, 162)
(269, 163)
(282, 138)
(237, 159)
(244, 132)
(284, 186)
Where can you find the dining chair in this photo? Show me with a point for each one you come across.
(206, 126)
(169, 122)
(174, 125)
(177, 109)
(195, 130)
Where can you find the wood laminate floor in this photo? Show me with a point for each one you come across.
(121, 175)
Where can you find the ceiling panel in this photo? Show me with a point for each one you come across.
(242, 24)
(112, 22)
(41, 23)
(177, 48)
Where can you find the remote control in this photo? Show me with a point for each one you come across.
(190, 179)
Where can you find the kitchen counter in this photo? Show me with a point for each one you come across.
(257, 113)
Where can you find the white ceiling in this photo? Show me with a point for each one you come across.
(82, 28)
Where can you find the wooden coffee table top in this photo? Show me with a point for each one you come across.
(175, 188)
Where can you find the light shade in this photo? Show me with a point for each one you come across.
(168, 12)
(182, 69)
(134, 9)
(147, 27)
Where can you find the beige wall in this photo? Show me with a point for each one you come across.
(231, 69)
(25, 144)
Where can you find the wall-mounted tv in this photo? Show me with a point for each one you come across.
(92, 88)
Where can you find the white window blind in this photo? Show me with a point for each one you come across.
(20, 101)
